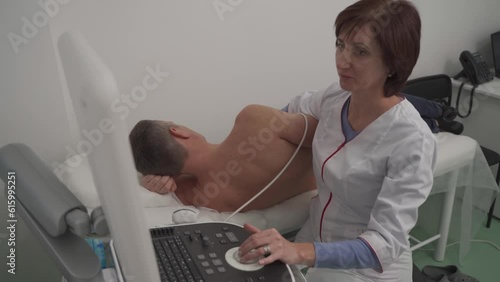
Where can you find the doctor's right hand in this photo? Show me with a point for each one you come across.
(159, 184)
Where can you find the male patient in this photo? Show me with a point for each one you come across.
(224, 176)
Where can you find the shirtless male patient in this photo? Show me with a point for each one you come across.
(225, 176)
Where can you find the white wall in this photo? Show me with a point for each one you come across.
(451, 26)
(262, 52)
(31, 104)
(216, 67)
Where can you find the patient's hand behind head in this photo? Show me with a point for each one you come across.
(159, 184)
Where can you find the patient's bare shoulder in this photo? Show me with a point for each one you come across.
(287, 126)
(251, 113)
(257, 117)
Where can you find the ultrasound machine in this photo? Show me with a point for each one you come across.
(209, 252)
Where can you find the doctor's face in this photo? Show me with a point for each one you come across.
(359, 62)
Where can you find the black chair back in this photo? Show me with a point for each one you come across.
(435, 87)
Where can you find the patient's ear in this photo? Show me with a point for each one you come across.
(179, 132)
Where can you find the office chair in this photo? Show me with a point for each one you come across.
(438, 88)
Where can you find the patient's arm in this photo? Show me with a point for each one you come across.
(163, 184)
(159, 184)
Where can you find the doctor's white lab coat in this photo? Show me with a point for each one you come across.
(370, 187)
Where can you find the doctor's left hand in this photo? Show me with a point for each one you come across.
(270, 242)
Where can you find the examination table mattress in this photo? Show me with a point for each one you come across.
(286, 217)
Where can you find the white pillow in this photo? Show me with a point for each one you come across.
(79, 181)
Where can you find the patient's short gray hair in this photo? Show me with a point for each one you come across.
(155, 150)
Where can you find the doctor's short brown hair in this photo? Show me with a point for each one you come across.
(396, 26)
(155, 150)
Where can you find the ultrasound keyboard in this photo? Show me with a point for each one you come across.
(204, 252)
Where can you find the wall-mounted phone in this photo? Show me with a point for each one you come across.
(475, 68)
(476, 71)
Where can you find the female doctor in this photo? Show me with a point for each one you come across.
(373, 155)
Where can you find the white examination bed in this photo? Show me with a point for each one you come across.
(158, 208)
